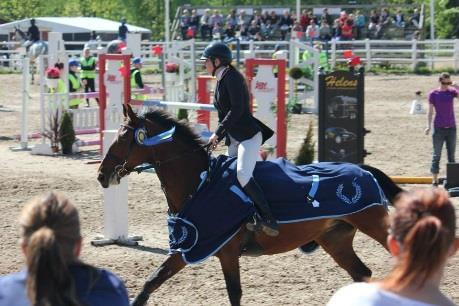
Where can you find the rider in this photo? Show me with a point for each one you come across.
(33, 34)
(122, 30)
(244, 133)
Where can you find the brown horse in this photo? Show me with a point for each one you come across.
(178, 164)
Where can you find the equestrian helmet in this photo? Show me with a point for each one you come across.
(218, 50)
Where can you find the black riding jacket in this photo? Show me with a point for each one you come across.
(232, 104)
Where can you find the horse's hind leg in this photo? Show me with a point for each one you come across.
(374, 222)
(229, 261)
(337, 241)
(171, 266)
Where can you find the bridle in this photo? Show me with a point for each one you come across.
(121, 168)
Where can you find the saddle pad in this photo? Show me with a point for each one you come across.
(296, 193)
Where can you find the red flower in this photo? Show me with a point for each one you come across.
(172, 67)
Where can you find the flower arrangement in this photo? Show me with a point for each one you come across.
(172, 68)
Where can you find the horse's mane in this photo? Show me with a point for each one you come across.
(182, 129)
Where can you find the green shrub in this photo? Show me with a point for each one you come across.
(182, 114)
(422, 71)
(66, 133)
(295, 73)
(306, 154)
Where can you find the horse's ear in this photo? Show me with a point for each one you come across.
(127, 110)
(124, 110)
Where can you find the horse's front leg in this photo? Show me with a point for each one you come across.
(173, 264)
(229, 260)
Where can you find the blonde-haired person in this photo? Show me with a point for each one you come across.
(51, 242)
(422, 237)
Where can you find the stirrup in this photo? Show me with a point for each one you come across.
(254, 226)
(269, 228)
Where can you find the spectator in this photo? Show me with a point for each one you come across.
(359, 23)
(205, 25)
(243, 20)
(217, 32)
(384, 21)
(297, 31)
(342, 18)
(399, 19)
(231, 20)
(122, 30)
(346, 30)
(267, 29)
(326, 16)
(422, 238)
(312, 17)
(312, 31)
(373, 26)
(185, 22)
(228, 32)
(51, 242)
(274, 20)
(285, 24)
(265, 18)
(216, 19)
(336, 30)
(304, 20)
(415, 18)
(257, 17)
(253, 29)
(324, 31)
(194, 23)
(441, 100)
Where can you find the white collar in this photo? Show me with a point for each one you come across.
(219, 73)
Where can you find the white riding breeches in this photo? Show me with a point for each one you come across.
(248, 153)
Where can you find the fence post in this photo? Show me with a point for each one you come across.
(456, 55)
(25, 101)
(368, 54)
(333, 53)
(414, 55)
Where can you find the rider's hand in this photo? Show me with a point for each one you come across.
(214, 141)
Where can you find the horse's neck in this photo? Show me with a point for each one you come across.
(181, 177)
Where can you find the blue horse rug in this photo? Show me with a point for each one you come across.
(295, 193)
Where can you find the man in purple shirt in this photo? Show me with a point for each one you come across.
(441, 100)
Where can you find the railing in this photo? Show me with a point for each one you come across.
(372, 52)
(398, 52)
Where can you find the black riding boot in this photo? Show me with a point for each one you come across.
(268, 223)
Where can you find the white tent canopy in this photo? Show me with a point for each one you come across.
(70, 25)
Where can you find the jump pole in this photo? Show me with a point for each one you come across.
(411, 179)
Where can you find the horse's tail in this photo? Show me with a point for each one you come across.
(390, 189)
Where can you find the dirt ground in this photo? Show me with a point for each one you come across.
(397, 144)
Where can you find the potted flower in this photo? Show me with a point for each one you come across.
(172, 70)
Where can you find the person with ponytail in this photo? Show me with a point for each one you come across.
(244, 133)
(54, 276)
(422, 237)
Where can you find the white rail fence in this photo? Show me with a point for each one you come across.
(372, 52)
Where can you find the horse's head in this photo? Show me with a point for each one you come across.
(143, 140)
(19, 34)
